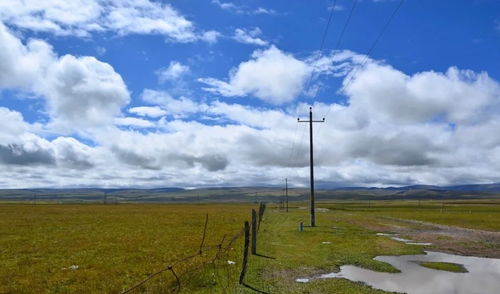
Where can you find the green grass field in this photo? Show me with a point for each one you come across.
(116, 246)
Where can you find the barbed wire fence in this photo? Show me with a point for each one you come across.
(221, 249)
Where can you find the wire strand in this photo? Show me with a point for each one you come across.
(370, 50)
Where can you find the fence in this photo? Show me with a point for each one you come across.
(220, 248)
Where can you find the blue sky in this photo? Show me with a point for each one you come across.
(206, 93)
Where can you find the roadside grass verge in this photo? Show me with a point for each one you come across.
(317, 250)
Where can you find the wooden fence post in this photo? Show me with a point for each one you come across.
(260, 214)
(254, 232)
(245, 253)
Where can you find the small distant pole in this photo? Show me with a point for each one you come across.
(283, 197)
(311, 161)
(105, 198)
(286, 193)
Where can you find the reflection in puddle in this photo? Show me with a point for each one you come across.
(483, 275)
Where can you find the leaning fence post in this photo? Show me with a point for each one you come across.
(254, 232)
(204, 234)
(245, 253)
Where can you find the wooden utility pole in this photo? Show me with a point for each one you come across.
(286, 193)
(283, 198)
(311, 161)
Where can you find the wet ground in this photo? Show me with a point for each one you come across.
(483, 275)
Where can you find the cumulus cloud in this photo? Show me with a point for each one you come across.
(394, 128)
(80, 91)
(29, 154)
(83, 17)
(84, 91)
(169, 104)
(12, 123)
(134, 122)
(240, 9)
(70, 153)
(171, 73)
(249, 37)
(271, 75)
(149, 111)
(456, 96)
(19, 146)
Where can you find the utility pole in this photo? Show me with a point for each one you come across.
(311, 161)
(286, 193)
(283, 198)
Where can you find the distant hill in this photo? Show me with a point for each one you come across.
(248, 194)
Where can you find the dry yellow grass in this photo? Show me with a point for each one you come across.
(114, 246)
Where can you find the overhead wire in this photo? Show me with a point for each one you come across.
(370, 50)
(322, 44)
(355, 2)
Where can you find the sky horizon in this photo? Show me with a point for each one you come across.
(149, 93)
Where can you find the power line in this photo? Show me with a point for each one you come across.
(355, 2)
(330, 19)
(322, 44)
(370, 50)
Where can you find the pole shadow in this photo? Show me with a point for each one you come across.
(254, 289)
(265, 256)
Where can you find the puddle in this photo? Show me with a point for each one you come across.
(483, 275)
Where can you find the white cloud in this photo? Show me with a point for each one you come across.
(12, 123)
(271, 75)
(80, 92)
(174, 71)
(134, 122)
(84, 91)
(262, 10)
(457, 96)
(149, 111)
(229, 6)
(171, 105)
(210, 37)
(83, 17)
(396, 128)
(240, 9)
(249, 37)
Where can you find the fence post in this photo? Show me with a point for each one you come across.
(262, 207)
(254, 232)
(245, 253)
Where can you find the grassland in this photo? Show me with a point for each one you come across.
(118, 245)
(445, 266)
(114, 246)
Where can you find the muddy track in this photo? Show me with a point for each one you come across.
(445, 238)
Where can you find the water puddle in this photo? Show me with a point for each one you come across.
(483, 275)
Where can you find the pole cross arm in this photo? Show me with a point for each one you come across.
(323, 120)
